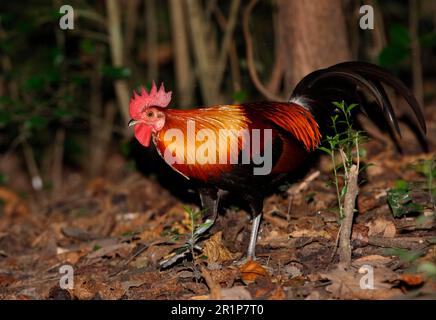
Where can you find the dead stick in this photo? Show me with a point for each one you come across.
(347, 222)
(215, 289)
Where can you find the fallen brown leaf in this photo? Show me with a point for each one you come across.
(215, 250)
(381, 227)
(412, 280)
(373, 260)
(346, 284)
(252, 270)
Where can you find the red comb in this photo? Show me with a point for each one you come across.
(158, 98)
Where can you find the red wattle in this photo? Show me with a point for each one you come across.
(143, 134)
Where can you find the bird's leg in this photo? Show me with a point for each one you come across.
(209, 201)
(253, 237)
(256, 204)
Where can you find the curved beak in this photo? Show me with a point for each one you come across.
(133, 122)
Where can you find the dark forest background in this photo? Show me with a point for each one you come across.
(64, 93)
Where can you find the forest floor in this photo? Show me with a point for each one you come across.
(114, 233)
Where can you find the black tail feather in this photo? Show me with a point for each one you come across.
(344, 81)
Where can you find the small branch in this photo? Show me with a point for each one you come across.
(278, 69)
(182, 63)
(250, 55)
(227, 41)
(94, 115)
(304, 184)
(131, 20)
(97, 36)
(58, 157)
(32, 167)
(378, 34)
(152, 39)
(347, 222)
(203, 51)
(90, 15)
(116, 45)
(234, 58)
(215, 289)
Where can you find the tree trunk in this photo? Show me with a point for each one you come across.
(314, 36)
(182, 61)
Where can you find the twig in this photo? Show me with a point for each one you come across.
(98, 36)
(401, 242)
(347, 222)
(215, 289)
(32, 166)
(131, 20)
(234, 59)
(278, 69)
(305, 183)
(182, 63)
(116, 45)
(58, 156)
(152, 40)
(203, 52)
(227, 41)
(250, 55)
(90, 15)
(95, 105)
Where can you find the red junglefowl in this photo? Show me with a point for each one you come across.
(246, 148)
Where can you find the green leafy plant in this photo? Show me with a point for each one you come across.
(406, 255)
(427, 168)
(345, 145)
(197, 232)
(401, 201)
(412, 257)
(428, 268)
(399, 47)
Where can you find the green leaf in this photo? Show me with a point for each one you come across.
(343, 192)
(428, 40)
(340, 105)
(401, 185)
(428, 268)
(351, 107)
(362, 152)
(3, 178)
(116, 72)
(87, 46)
(36, 122)
(398, 48)
(240, 96)
(393, 55)
(399, 36)
(328, 151)
(426, 167)
(57, 56)
(79, 79)
(5, 117)
(400, 200)
(406, 255)
(35, 82)
(63, 114)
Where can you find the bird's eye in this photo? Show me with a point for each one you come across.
(150, 114)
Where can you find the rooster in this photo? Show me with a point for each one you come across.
(197, 143)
